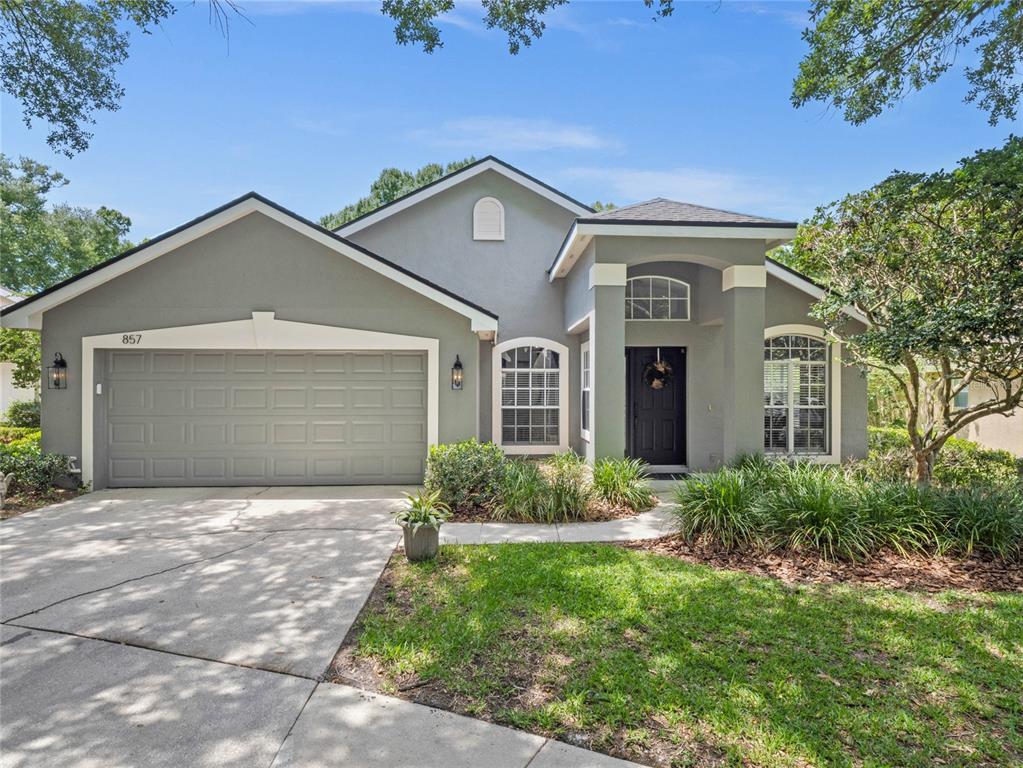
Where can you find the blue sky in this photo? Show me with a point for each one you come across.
(308, 102)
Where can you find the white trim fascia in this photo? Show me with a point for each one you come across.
(580, 230)
(563, 396)
(261, 331)
(584, 349)
(743, 276)
(835, 387)
(807, 287)
(608, 274)
(580, 325)
(453, 180)
(31, 315)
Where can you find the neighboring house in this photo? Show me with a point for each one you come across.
(1001, 432)
(251, 346)
(8, 392)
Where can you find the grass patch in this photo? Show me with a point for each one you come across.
(669, 663)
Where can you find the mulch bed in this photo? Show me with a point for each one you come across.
(20, 503)
(889, 570)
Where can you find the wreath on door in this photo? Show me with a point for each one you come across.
(658, 374)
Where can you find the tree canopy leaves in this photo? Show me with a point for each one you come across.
(521, 20)
(59, 60)
(41, 245)
(391, 184)
(935, 263)
(866, 55)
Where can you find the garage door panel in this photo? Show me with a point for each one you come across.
(178, 417)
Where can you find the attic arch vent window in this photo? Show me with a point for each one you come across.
(488, 219)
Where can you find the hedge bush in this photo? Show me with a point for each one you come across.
(22, 413)
(960, 462)
(33, 469)
(468, 474)
(10, 434)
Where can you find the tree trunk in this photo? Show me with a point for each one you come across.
(924, 467)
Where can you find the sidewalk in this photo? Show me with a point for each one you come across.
(647, 525)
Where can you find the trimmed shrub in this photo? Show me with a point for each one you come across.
(468, 475)
(960, 462)
(986, 520)
(22, 413)
(33, 470)
(10, 434)
(622, 483)
(816, 511)
(720, 506)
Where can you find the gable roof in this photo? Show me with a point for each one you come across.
(28, 312)
(660, 210)
(488, 163)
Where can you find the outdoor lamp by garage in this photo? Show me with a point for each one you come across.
(456, 375)
(56, 374)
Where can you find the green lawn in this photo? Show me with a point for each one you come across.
(671, 663)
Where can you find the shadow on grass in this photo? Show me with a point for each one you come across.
(655, 659)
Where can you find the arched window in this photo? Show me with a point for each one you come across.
(531, 396)
(488, 219)
(656, 298)
(797, 380)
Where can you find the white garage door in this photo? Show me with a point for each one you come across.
(180, 417)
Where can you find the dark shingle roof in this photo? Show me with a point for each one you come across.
(663, 211)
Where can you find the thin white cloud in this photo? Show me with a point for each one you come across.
(794, 14)
(487, 134)
(463, 22)
(702, 186)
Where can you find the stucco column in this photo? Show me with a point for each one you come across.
(743, 304)
(607, 351)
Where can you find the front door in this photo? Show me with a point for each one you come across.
(655, 390)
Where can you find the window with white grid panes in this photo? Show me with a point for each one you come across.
(530, 396)
(796, 407)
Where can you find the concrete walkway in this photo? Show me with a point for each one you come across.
(193, 626)
(648, 525)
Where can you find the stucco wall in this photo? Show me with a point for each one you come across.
(996, 431)
(508, 277)
(254, 264)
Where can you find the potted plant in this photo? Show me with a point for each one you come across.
(420, 521)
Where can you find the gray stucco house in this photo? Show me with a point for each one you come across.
(251, 346)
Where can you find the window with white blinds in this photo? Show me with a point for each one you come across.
(796, 391)
(530, 396)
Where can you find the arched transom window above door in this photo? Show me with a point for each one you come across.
(656, 298)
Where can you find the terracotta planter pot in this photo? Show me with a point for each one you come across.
(421, 544)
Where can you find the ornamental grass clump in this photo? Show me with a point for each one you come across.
(986, 520)
(555, 491)
(900, 515)
(622, 483)
(817, 511)
(720, 507)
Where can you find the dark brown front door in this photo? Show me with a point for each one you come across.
(656, 421)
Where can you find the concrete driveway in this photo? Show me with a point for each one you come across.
(178, 627)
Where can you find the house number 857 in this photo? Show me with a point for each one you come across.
(131, 338)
